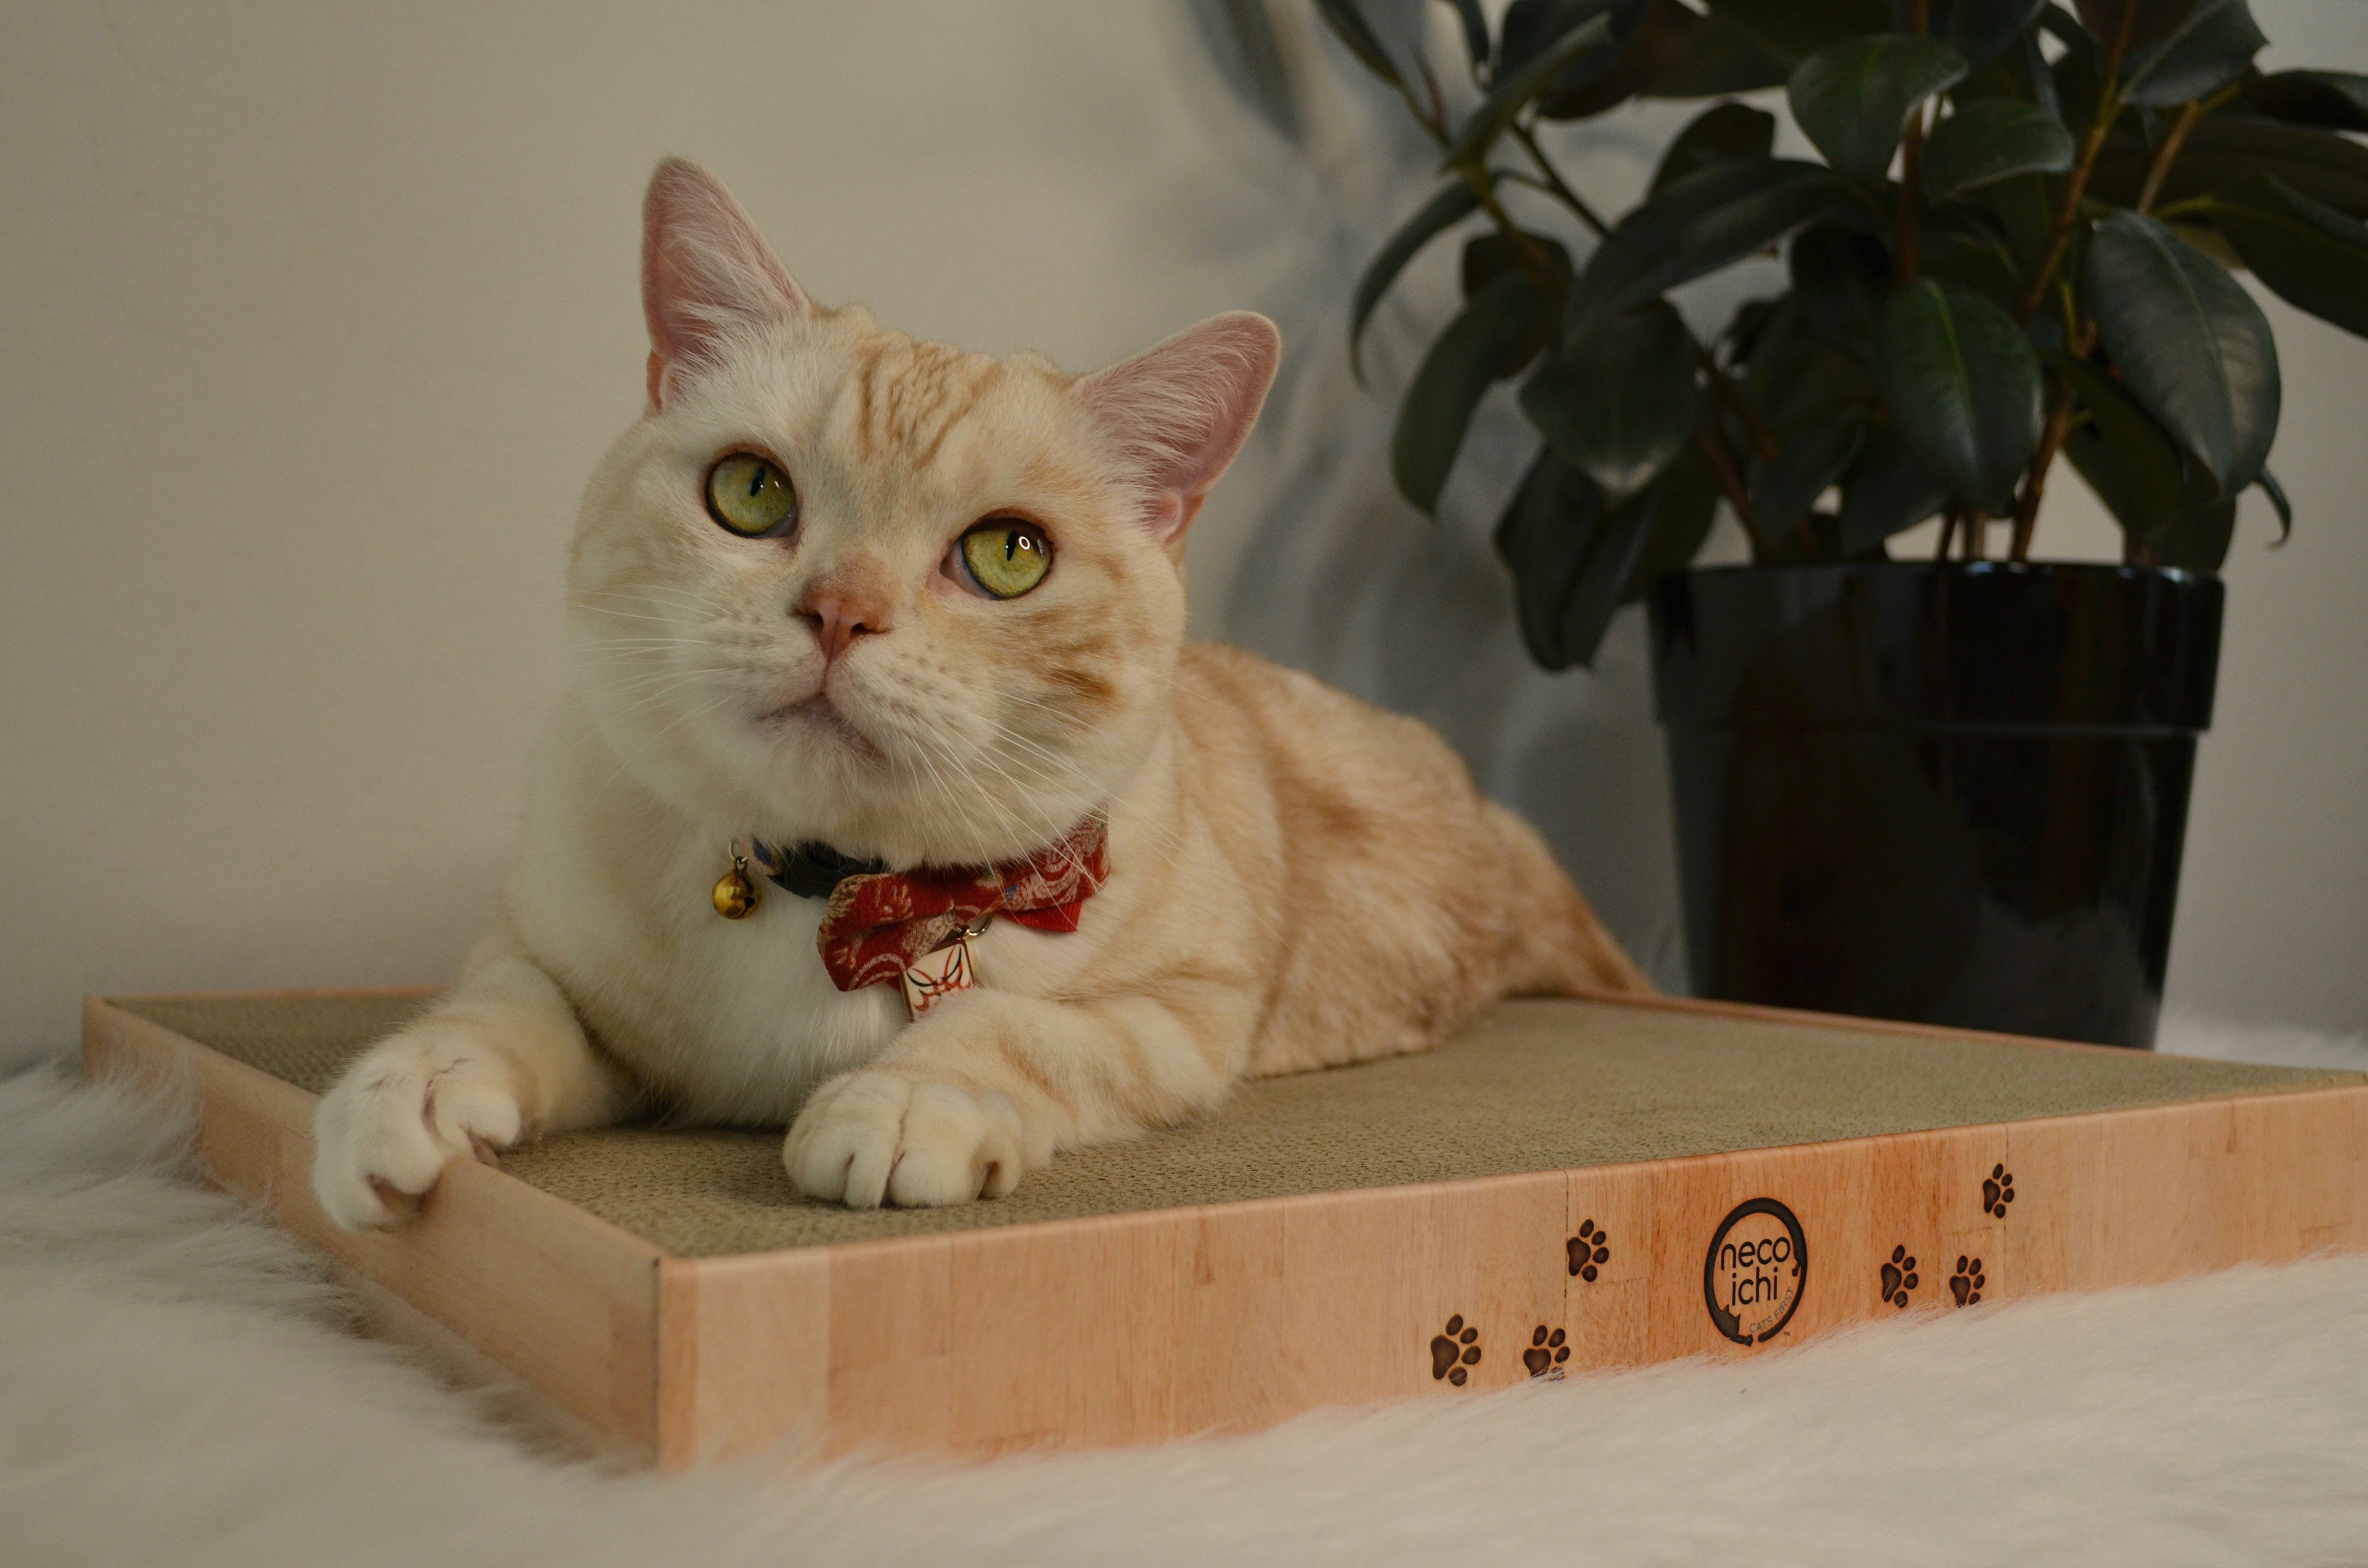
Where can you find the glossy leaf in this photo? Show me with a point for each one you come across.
(2226, 150)
(1962, 387)
(1448, 206)
(1854, 98)
(1590, 40)
(2309, 254)
(1685, 503)
(2284, 508)
(2196, 539)
(2191, 345)
(1619, 402)
(1885, 491)
(1572, 556)
(1476, 29)
(1724, 58)
(2207, 48)
(1476, 349)
(1981, 30)
(2332, 100)
(1809, 464)
(1792, 30)
(1696, 226)
(1665, 36)
(2129, 461)
(1349, 25)
(1721, 133)
(1990, 140)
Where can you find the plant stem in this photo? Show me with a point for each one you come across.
(1556, 183)
(1723, 387)
(1722, 468)
(1911, 147)
(2067, 211)
(2034, 482)
(2166, 153)
(1949, 520)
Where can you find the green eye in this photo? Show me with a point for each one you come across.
(750, 497)
(1005, 556)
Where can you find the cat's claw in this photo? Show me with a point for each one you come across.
(382, 1137)
(873, 1136)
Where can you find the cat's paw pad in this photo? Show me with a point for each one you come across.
(384, 1135)
(1454, 1350)
(1547, 1354)
(1899, 1276)
(1589, 1250)
(872, 1137)
(1967, 1282)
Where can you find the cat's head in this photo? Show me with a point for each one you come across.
(840, 585)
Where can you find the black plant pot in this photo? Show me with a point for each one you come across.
(1947, 792)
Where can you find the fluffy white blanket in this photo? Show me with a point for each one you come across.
(176, 1386)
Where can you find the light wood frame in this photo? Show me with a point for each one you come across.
(1138, 1327)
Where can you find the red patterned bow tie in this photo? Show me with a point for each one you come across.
(879, 924)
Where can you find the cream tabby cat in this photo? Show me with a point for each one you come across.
(840, 587)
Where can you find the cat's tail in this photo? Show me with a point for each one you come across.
(1554, 945)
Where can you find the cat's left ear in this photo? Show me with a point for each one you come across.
(706, 272)
(1182, 409)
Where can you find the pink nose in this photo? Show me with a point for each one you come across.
(838, 619)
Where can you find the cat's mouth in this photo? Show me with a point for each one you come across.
(818, 716)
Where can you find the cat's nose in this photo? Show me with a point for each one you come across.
(839, 619)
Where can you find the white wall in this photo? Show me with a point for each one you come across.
(312, 320)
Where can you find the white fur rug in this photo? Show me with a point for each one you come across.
(176, 1387)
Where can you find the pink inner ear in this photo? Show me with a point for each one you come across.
(1182, 409)
(706, 270)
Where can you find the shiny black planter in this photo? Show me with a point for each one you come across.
(1947, 792)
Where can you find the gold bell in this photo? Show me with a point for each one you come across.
(734, 894)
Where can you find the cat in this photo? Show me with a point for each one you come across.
(838, 587)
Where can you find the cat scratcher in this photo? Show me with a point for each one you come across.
(1565, 1185)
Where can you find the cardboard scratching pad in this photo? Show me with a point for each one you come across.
(1564, 1186)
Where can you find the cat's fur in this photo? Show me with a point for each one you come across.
(1296, 878)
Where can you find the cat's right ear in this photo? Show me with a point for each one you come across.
(706, 273)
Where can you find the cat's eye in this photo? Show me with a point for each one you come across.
(1005, 557)
(750, 495)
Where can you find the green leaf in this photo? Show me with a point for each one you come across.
(2205, 50)
(1476, 349)
(1571, 558)
(1665, 36)
(1962, 387)
(1980, 30)
(1719, 134)
(2310, 253)
(2135, 467)
(2332, 100)
(1991, 140)
(1792, 30)
(1885, 491)
(1349, 25)
(1854, 98)
(1618, 404)
(1685, 502)
(2224, 150)
(1724, 58)
(1698, 225)
(2191, 346)
(1803, 470)
(1448, 206)
(1475, 31)
(1590, 40)
(2197, 540)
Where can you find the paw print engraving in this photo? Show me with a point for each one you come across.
(1546, 1353)
(1454, 1350)
(1967, 1282)
(1589, 1250)
(1998, 1191)
(1898, 1277)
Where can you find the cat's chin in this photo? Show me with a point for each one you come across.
(817, 721)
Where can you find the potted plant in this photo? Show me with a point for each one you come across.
(1953, 788)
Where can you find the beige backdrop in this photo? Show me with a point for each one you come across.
(314, 318)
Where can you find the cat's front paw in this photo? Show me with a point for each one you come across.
(384, 1135)
(873, 1135)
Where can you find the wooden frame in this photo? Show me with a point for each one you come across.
(1138, 1327)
